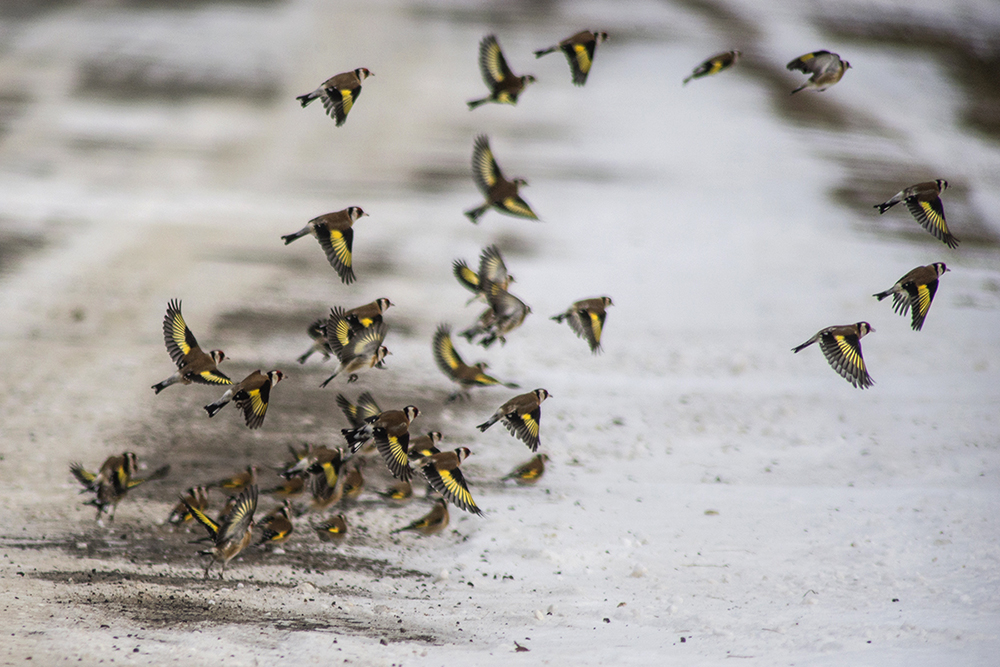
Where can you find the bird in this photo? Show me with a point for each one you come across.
(522, 416)
(232, 533)
(390, 431)
(399, 493)
(579, 50)
(924, 202)
(251, 396)
(357, 413)
(586, 319)
(392, 424)
(354, 480)
(335, 233)
(841, 345)
(826, 69)
(342, 327)
(915, 290)
(364, 350)
(288, 488)
(317, 332)
(442, 473)
(491, 268)
(301, 460)
(714, 65)
(196, 496)
(528, 472)
(500, 193)
(193, 365)
(326, 484)
(236, 483)
(506, 313)
(451, 364)
(504, 85)
(368, 314)
(276, 526)
(113, 481)
(431, 523)
(334, 530)
(339, 93)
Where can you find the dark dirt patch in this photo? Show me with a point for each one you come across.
(15, 247)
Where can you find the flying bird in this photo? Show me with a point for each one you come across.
(362, 350)
(522, 416)
(451, 364)
(317, 333)
(506, 313)
(113, 481)
(357, 413)
(335, 233)
(392, 425)
(579, 50)
(504, 85)
(492, 271)
(339, 93)
(500, 193)
(442, 472)
(924, 202)
(841, 345)
(251, 396)
(826, 69)
(714, 65)
(232, 533)
(193, 365)
(431, 523)
(586, 319)
(915, 291)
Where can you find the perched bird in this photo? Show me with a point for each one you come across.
(915, 290)
(492, 271)
(714, 65)
(506, 313)
(393, 425)
(317, 332)
(841, 346)
(924, 202)
(399, 493)
(334, 530)
(232, 533)
(236, 483)
(354, 480)
(442, 473)
(113, 481)
(826, 69)
(504, 85)
(500, 193)
(431, 523)
(276, 526)
(251, 396)
(451, 364)
(522, 416)
(339, 93)
(357, 413)
(335, 233)
(363, 350)
(193, 365)
(530, 471)
(586, 319)
(579, 50)
(196, 496)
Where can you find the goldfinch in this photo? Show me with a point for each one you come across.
(113, 481)
(390, 430)
(342, 327)
(399, 493)
(196, 496)
(236, 483)
(492, 271)
(363, 350)
(841, 346)
(335, 233)
(334, 530)
(193, 365)
(431, 523)
(579, 50)
(924, 202)
(528, 472)
(391, 423)
(915, 290)
(276, 526)
(231, 534)
(354, 479)
(586, 319)
(326, 483)
(317, 332)
(288, 488)
(500, 193)
(504, 85)
(506, 313)
(357, 413)
(251, 396)
(339, 93)
(714, 65)
(826, 69)
(442, 473)
(451, 364)
(522, 416)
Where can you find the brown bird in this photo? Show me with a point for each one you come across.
(193, 365)
(357, 413)
(841, 345)
(326, 483)
(442, 473)
(339, 93)
(251, 396)
(528, 472)
(236, 483)
(492, 271)
(522, 416)
(826, 69)
(317, 332)
(915, 290)
(399, 493)
(233, 533)
(363, 350)
(586, 319)
(335, 233)
(579, 50)
(431, 523)
(506, 313)
(354, 480)
(500, 193)
(392, 423)
(924, 203)
(288, 488)
(334, 530)
(504, 85)
(113, 481)
(390, 431)
(277, 525)
(451, 364)
(196, 496)
(714, 65)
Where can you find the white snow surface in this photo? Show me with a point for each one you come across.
(711, 497)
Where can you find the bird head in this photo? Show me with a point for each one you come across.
(383, 304)
(942, 184)
(217, 356)
(463, 453)
(541, 394)
(411, 412)
(355, 212)
(363, 73)
(607, 301)
(275, 377)
(940, 268)
(600, 36)
(528, 78)
(130, 463)
(864, 328)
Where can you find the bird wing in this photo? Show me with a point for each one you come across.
(176, 334)
(843, 352)
(920, 299)
(337, 245)
(366, 342)
(338, 333)
(525, 425)
(451, 484)
(595, 326)
(212, 377)
(930, 215)
(239, 518)
(159, 473)
(339, 100)
(492, 64)
(203, 519)
(514, 205)
(83, 476)
(580, 57)
(492, 267)
(466, 276)
(393, 449)
(485, 170)
(253, 403)
(813, 63)
(445, 355)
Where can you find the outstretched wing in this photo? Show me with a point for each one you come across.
(485, 170)
(525, 426)
(240, 516)
(843, 352)
(176, 334)
(812, 63)
(930, 215)
(203, 519)
(253, 403)
(394, 450)
(466, 276)
(492, 64)
(445, 355)
(920, 298)
(337, 245)
(451, 484)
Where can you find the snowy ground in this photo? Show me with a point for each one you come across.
(710, 496)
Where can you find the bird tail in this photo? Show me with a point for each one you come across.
(476, 213)
(882, 295)
(542, 52)
(213, 408)
(476, 103)
(356, 437)
(688, 79)
(558, 318)
(804, 345)
(330, 379)
(802, 87)
(305, 356)
(885, 206)
(307, 98)
(160, 386)
(288, 238)
(489, 422)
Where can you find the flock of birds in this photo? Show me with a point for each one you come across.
(356, 336)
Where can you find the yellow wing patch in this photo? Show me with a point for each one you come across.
(933, 216)
(179, 333)
(346, 100)
(583, 60)
(493, 62)
(340, 247)
(923, 300)
(849, 352)
(258, 406)
(517, 206)
(530, 425)
(456, 488)
(213, 377)
(595, 326)
(213, 528)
